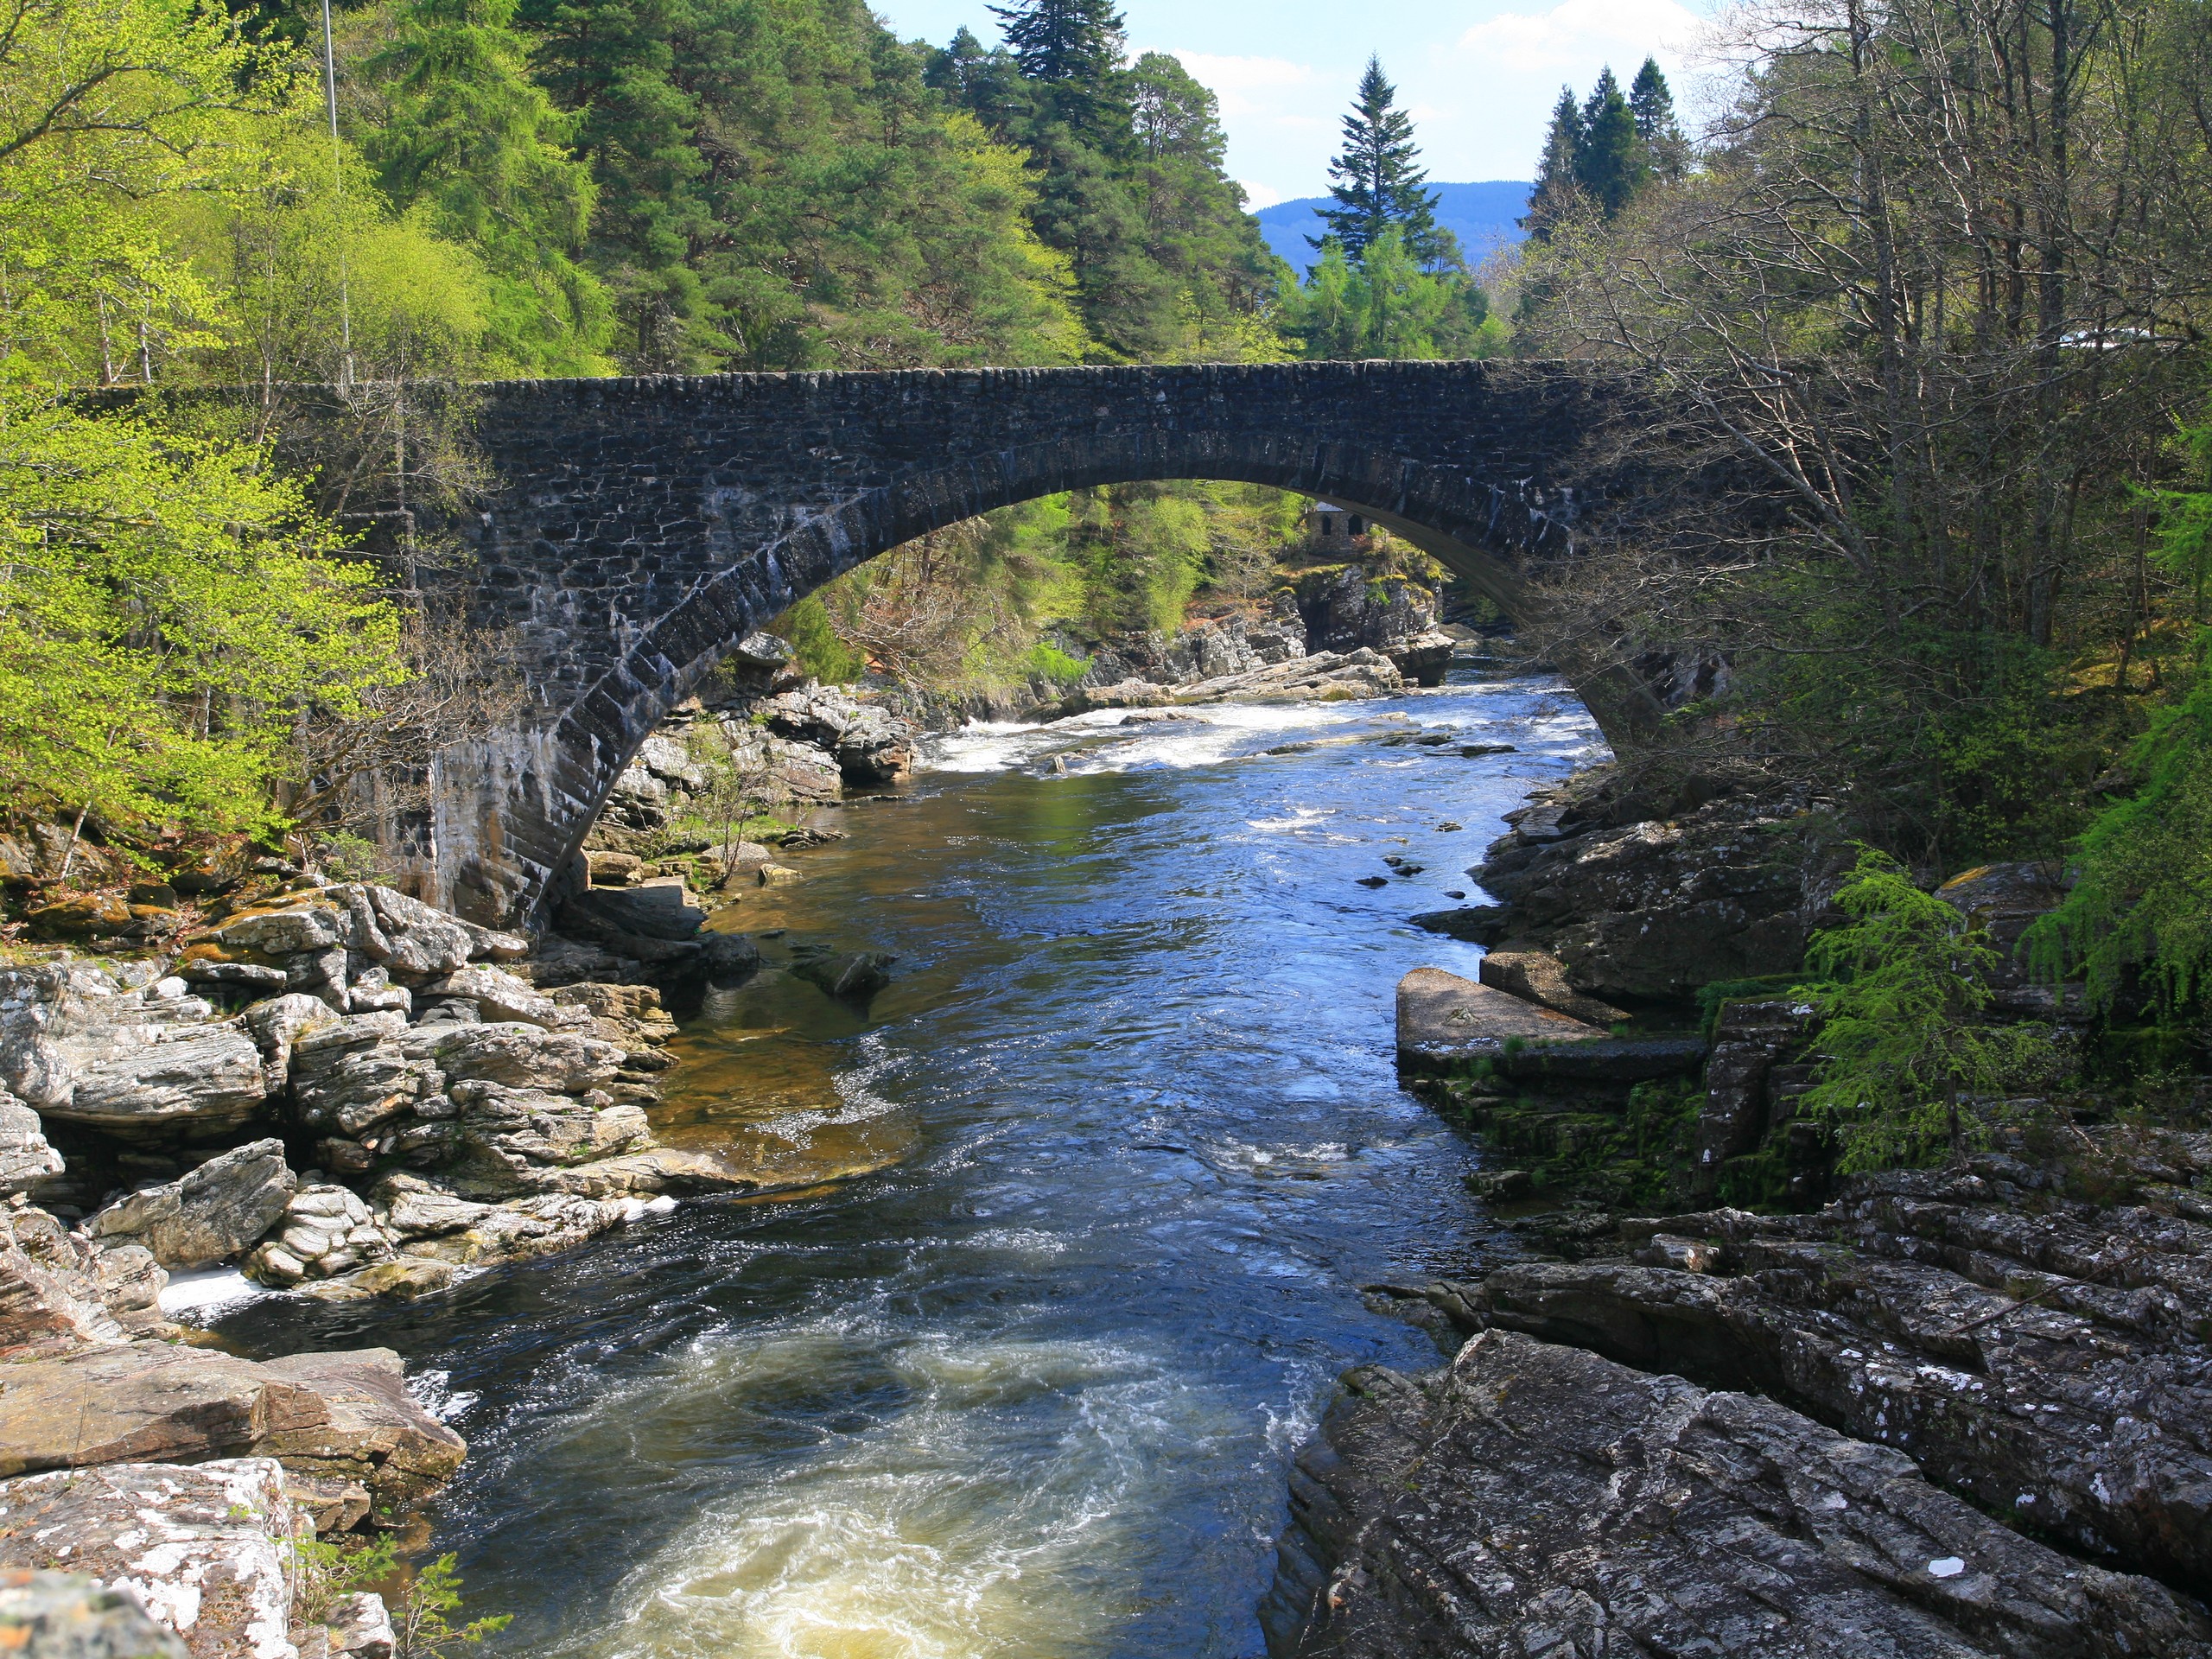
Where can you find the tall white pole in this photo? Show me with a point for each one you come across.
(338, 184)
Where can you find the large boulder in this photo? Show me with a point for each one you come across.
(629, 1016)
(1533, 1499)
(2003, 901)
(511, 1139)
(870, 744)
(343, 1414)
(206, 1551)
(49, 1293)
(372, 1432)
(411, 1208)
(79, 1048)
(1325, 677)
(1536, 977)
(201, 1080)
(1658, 896)
(545, 1225)
(1346, 606)
(522, 1057)
(73, 1616)
(212, 1214)
(353, 1074)
(496, 993)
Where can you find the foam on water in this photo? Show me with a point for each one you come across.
(1103, 741)
(918, 1538)
(194, 1297)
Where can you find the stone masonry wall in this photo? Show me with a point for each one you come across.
(638, 528)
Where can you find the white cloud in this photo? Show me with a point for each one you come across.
(1576, 35)
(1281, 117)
(1250, 85)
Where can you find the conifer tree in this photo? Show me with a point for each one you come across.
(1651, 102)
(469, 134)
(1063, 40)
(1557, 189)
(1378, 184)
(1610, 165)
(1071, 49)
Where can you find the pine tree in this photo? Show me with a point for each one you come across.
(1610, 162)
(1557, 189)
(1651, 102)
(1063, 40)
(468, 133)
(1071, 49)
(1378, 185)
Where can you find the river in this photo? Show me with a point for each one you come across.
(1081, 1207)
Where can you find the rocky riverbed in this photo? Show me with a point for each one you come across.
(351, 1094)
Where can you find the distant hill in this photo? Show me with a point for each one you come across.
(1480, 215)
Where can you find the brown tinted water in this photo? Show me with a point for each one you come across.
(1076, 1216)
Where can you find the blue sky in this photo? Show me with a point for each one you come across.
(1480, 76)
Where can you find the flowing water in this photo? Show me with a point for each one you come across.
(1076, 1218)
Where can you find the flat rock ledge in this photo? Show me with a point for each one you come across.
(352, 1440)
(2044, 1355)
(1445, 1019)
(1537, 1501)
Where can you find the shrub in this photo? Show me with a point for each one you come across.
(1903, 1046)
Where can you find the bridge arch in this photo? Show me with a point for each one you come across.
(638, 529)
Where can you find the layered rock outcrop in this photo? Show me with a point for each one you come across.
(1652, 896)
(1535, 1499)
(2042, 1353)
(1344, 608)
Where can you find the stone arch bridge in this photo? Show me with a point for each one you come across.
(634, 529)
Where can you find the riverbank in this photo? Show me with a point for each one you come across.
(1790, 1423)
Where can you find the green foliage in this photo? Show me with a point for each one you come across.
(820, 651)
(1611, 162)
(1387, 306)
(323, 1570)
(1967, 742)
(1651, 103)
(2140, 911)
(1131, 186)
(111, 112)
(1598, 155)
(1902, 1051)
(1049, 662)
(2183, 539)
(1071, 49)
(464, 132)
(779, 189)
(423, 1628)
(168, 611)
(1378, 184)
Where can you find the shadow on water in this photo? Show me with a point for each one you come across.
(1082, 1203)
